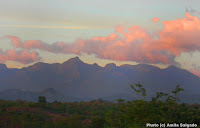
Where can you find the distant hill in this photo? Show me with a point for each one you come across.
(74, 78)
(50, 94)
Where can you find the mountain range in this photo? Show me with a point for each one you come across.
(75, 80)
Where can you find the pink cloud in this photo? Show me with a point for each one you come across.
(22, 56)
(131, 44)
(155, 19)
(195, 72)
(58, 47)
(181, 35)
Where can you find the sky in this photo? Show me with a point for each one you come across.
(157, 32)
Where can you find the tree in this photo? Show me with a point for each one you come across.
(161, 109)
(140, 91)
(41, 99)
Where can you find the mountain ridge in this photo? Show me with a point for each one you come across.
(74, 78)
(77, 60)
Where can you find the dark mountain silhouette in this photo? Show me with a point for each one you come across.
(74, 78)
(3, 67)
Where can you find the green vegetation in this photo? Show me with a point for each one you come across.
(163, 108)
(42, 99)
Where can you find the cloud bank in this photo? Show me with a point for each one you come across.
(130, 44)
(22, 56)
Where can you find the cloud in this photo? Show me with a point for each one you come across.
(155, 19)
(57, 47)
(195, 72)
(131, 43)
(181, 35)
(22, 56)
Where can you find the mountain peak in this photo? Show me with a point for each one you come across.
(37, 66)
(3, 67)
(110, 66)
(147, 66)
(72, 63)
(173, 67)
(95, 64)
(74, 60)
